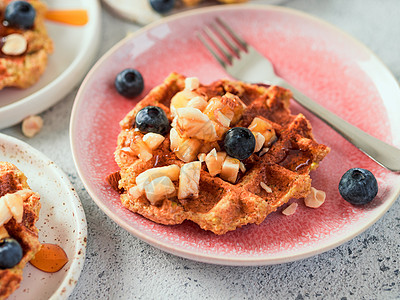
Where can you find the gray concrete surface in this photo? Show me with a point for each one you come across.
(120, 266)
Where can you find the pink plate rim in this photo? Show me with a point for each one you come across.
(215, 258)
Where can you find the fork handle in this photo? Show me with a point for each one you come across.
(383, 153)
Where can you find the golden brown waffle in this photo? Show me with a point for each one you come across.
(22, 71)
(12, 180)
(222, 206)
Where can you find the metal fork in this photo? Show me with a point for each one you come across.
(243, 62)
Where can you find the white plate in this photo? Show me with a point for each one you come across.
(75, 48)
(62, 221)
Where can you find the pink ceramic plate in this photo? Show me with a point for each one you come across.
(318, 59)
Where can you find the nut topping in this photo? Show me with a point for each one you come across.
(14, 44)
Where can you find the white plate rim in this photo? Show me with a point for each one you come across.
(62, 84)
(72, 275)
(212, 258)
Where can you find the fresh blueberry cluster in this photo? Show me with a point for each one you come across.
(10, 253)
(19, 14)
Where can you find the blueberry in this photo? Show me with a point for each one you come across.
(129, 83)
(152, 119)
(19, 14)
(10, 253)
(162, 6)
(239, 143)
(358, 186)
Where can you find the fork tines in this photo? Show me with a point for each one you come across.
(221, 37)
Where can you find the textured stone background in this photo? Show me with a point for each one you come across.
(119, 266)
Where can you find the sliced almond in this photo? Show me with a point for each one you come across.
(159, 189)
(153, 140)
(266, 187)
(189, 179)
(291, 209)
(230, 169)
(315, 198)
(171, 171)
(214, 161)
(14, 44)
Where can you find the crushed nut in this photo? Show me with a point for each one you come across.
(113, 180)
(32, 126)
(315, 199)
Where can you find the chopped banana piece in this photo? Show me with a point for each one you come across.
(3, 233)
(214, 161)
(242, 167)
(153, 140)
(135, 192)
(201, 157)
(140, 148)
(186, 149)
(12, 205)
(192, 123)
(172, 171)
(159, 189)
(180, 100)
(191, 83)
(189, 179)
(264, 127)
(197, 102)
(230, 169)
(5, 214)
(260, 140)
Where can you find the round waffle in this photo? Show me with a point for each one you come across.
(267, 180)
